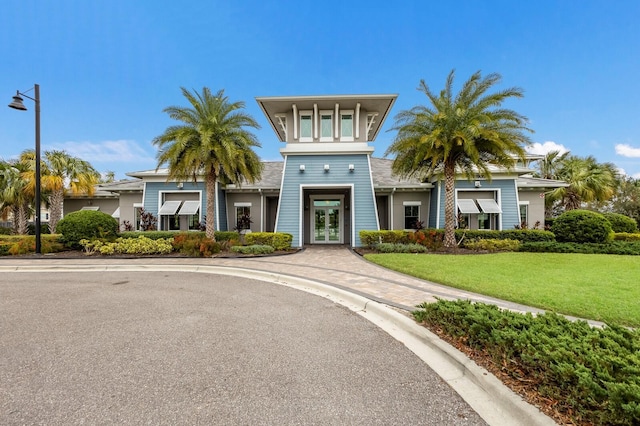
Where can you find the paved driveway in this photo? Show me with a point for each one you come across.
(187, 348)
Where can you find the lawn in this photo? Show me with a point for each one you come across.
(592, 286)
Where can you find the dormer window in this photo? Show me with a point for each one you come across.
(306, 126)
(346, 125)
(326, 126)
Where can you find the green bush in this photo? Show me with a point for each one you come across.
(621, 223)
(591, 374)
(152, 235)
(492, 245)
(140, 245)
(624, 236)
(277, 240)
(227, 235)
(582, 226)
(371, 238)
(5, 231)
(522, 235)
(44, 228)
(253, 249)
(86, 224)
(614, 247)
(400, 248)
(21, 244)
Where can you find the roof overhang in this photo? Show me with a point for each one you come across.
(276, 105)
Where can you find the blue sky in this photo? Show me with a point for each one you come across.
(107, 69)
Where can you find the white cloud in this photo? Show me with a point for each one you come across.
(546, 147)
(125, 151)
(627, 150)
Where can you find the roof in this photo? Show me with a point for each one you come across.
(122, 185)
(273, 105)
(528, 181)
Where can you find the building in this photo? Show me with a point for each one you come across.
(328, 186)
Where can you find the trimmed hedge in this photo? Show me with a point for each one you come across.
(371, 238)
(614, 247)
(277, 240)
(624, 236)
(195, 244)
(21, 244)
(591, 374)
(621, 223)
(154, 235)
(582, 226)
(253, 249)
(86, 224)
(493, 245)
(400, 248)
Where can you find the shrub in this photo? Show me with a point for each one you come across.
(44, 228)
(621, 223)
(492, 245)
(195, 244)
(227, 235)
(614, 247)
(140, 245)
(253, 249)
(371, 238)
(624, 236)
(400, 248)
(582, 226)
(27, 244)
(591, 374)
(4, 248)
(152, 235)
(430, 238)
(5, 231)
(277, 240)
(86, 224)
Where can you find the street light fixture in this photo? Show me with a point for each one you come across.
(17, 104)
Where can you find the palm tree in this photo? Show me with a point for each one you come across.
(14, 198)
(589, 181)
(60, 173)
(459, 133)
(211, 141)
(549, 166)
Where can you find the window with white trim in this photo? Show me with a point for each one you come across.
(243, 216)
(326, 126)
(411, 214)
(346, 125)
(306, 126)
(524, 215)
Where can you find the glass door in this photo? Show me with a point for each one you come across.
(326, 222)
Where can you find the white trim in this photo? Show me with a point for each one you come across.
(373, 192)
(295, 122)
(284, 169)
(391, 197)
(315, 121)
(138, 205)
(412, 203)
(282, 120)
(261, 210)
(216, 206)
(342, 114)
(439, 188)
(357, 123)
(241, 204)
(336, 133)
(116, 213)
(302, 187)
(312, 217)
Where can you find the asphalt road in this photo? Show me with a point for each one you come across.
(188, 348)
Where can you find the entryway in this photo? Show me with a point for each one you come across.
(327, 219)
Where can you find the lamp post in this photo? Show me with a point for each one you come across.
(17, 104)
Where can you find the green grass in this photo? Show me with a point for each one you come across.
(591, 286)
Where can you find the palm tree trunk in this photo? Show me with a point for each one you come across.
(449, 207)
(55, 205)
(22, 219)
(211, 202)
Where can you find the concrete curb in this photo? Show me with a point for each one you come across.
(489, 397)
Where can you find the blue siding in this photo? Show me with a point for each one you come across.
(338, 175)
(508, 203)
(221, 201)
(433, 207)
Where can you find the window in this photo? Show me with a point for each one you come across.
(243, 217)
(306, 126)
(411, 216)
(524, 215)
(346, 125)
(484, 221)
(326, 126)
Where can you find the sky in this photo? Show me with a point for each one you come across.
(107, 69)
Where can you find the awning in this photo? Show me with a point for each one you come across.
(116, 214)
(94, 208)
(189, 208)
(169, 208)
(489, 205)
(467, 207)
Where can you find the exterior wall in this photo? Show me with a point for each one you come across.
(510, 216)
(434, 206)
(107, 205)
(290, 210)
(362, 125)
(536, 206)
(127, 209)
(399, 200)
(154, 191)
(256, 208)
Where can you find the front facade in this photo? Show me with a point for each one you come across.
(328, 187)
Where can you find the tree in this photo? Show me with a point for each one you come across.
(626, 200)
(589, 182)
(14, 198)
(213, 142)
(459, 133)
(60, 173)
